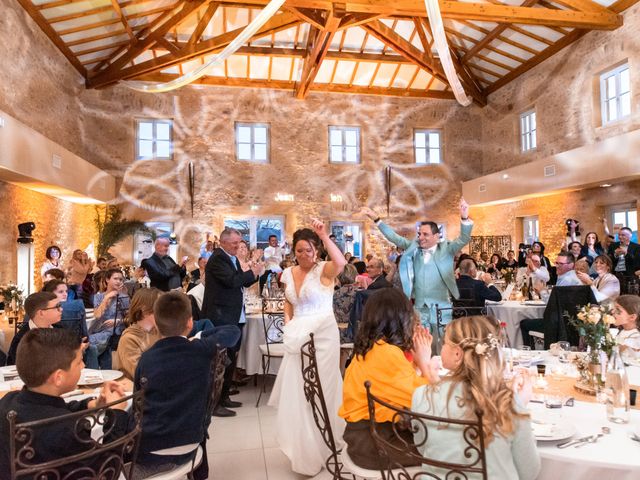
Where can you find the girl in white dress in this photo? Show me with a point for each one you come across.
(627, 314)
(309, 309)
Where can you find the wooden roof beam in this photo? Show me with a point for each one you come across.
(316, 52)
(203, 22)
(277, 23)
(290, 85)
(407, 50)
(312, 17)
(116, 7)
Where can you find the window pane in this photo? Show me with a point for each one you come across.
(163, 149)
(243, 226)
(244, 135)
(625, 104)
(266, 227)
(145, 149)
(533, 139)
(434, 155)
(632, 220)
(421, 155)
(420, 139)
(611, 86)
(351, 138)
(527, 145)
(260, 134)
(525, 124)
(434, 140)
(336, 154)
(244, 151)
(533, 121)
(352, 154)
(613, 109)
(624, 81)
(163, 131)
(335, 137)
(523, 142)
(620, 218)
(145, 130)
(260, 150)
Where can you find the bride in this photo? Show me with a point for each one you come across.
(309, 309)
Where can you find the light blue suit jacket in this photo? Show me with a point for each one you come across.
(443, 258)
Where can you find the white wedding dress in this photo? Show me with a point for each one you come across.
(297, 433)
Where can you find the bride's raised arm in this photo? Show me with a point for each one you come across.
(335, 266)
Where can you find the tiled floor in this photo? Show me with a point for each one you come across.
(244, 447)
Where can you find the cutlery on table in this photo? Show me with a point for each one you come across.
(575, 441)
(593, 439)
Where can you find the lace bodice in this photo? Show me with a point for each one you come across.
(314, 297)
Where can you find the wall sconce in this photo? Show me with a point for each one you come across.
(284, 197)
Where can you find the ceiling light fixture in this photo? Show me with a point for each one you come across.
(442, 47)
(269, 11)
(605, 185)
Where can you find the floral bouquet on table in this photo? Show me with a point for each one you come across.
(593, 323)
(509, 275)
(13, 299)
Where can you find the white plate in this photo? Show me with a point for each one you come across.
(98, 377)
(534, 303)
(559, 431)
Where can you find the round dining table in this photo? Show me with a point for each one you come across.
(512, 312)
(249, 356)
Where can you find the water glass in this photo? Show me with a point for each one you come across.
(553, 401)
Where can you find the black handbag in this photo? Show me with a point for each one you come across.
(114, 339)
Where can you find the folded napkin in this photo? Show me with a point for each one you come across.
(543, 429)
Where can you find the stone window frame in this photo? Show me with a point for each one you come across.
(427, 148)
(154, 138)
(615, 74)
(528, 131)
(343, 145)
(253, 126)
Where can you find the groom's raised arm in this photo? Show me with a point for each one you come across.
(388, 232)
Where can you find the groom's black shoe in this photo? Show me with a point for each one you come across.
(220, 411)
(228, 403)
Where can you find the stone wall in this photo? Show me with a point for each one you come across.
(564, 91)
(58, 222)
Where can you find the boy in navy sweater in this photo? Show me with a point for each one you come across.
(177, 372)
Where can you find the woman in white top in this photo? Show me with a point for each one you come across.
(53, 255)
(606, 286)
(475, 381)
(627, 314)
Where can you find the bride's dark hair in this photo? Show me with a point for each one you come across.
(308, 235)
(389, 316)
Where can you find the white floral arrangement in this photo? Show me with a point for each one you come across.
(593, 323)
(13, 297)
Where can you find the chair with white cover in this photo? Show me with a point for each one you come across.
(272, 323)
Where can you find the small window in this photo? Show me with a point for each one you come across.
(252, 142)
(528, 140)
(615, 94)
(154, 139)
(427, 146)
(344, 144)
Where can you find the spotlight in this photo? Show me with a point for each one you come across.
(25, 232)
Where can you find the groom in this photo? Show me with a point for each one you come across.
(223, 302)
(426, 267)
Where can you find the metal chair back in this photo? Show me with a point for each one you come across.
(95, 453)
(472, 443)
(313, 394)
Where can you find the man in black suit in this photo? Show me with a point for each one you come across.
(474, 290)
(223, 301)
(625, 256)
(376, 274)
(165, 274)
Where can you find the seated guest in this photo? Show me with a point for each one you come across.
(478, 291)
(177, 389)
(362, 279)
(606, 286)
(375, 270)
(495, 264)
(198, 273)
(49, 362)
(140, 332)
(385, 333)
(44, 311)
(74, 317)
(109, 312)
(627, 314)
(532, 271)
(510, 261)
(567, 277)
(57, 274)
(476, 381)
(575, 249)
(197, 292)
(344, 297)
(538, 249)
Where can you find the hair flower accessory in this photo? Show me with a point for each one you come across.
(485, 346)
(481, 348)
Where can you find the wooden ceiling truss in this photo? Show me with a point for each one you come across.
(108, 41)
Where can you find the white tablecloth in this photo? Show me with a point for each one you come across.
(512, 313)
(249, 357)
(614, 456)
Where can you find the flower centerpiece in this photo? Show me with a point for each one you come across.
(509, 275)
(13, 300)
(593, 323)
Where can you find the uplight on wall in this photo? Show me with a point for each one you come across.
(335, 198)
(284, 197)
(254, 208)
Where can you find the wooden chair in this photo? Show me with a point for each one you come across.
(472, 442)
(313, 394)
(97, 454)
(272, 323)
